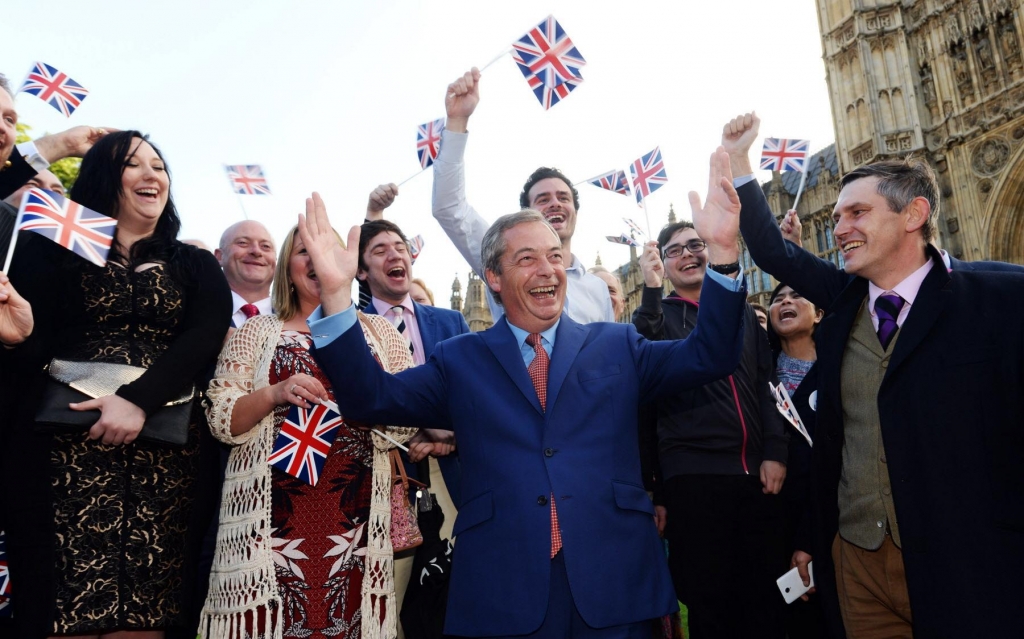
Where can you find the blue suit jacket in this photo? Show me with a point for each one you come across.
(514, 456)
(437, 325)
(950, 408)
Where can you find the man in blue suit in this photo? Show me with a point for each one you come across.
(556, 534)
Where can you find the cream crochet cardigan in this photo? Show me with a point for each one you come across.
(242, 579)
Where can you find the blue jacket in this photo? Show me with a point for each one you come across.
(436, 325)
(514, 456)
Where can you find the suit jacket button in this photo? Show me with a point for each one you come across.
(542, 500)
(549, 452)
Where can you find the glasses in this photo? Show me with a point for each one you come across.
(693, 246)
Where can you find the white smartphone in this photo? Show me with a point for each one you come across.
(792, 587)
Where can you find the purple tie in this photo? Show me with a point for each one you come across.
(887, 308)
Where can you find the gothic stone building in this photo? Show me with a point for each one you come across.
(941, 80)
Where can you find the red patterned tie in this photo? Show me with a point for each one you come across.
(538, 371)
(250, 310)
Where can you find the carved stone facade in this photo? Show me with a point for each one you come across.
(943, 80)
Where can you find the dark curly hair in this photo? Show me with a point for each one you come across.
(544, 173)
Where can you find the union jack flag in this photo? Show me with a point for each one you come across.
(633, 226)
(5, 575)
(622, 239)
(248, 179)
(613, 181)
(648, 174)
(76, 228)
(784, 155)
(549, 54)
(54, 87)
(546, 95)
(428, 141)
(301, 447)
(415, 246)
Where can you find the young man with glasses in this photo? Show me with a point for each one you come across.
(721, 459)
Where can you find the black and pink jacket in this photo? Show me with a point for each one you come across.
(727, 427)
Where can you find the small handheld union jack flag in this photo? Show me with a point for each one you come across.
(415, 246)
(548, 53)
(55, 88)
(622, 238)
(5, 578)
(613, 181)
(633, 226)
(648, 174)
(784, 155)
(306, 436)
(247, 179)
(76, 228)
(547, 96)
(428, 141)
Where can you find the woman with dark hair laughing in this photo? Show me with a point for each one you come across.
(96, 514)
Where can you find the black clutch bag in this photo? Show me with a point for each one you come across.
(74, 382)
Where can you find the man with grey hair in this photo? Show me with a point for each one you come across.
(556, 535)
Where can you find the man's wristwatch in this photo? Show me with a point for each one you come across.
(725, 269)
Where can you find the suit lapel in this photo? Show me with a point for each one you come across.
(835, 332)
(428, 328)
(502, 342)
(568, 340)
(370, 309)
(928, 306)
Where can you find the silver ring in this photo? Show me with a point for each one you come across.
(294, 386)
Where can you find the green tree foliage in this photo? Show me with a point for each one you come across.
(66, 170)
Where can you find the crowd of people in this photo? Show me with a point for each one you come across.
(592, 470)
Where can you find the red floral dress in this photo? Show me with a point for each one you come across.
(319, 532)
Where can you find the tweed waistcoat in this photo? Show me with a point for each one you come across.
(865, 495)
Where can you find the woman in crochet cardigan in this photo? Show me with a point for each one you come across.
(294, 559)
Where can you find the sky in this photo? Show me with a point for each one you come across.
(327, 96)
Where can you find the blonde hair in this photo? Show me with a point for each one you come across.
(430, 294)
(282, 294)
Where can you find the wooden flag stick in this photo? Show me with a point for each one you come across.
(334, 407)
(647, 217)
(14, 240)
(800, 190)
(377, 432)
(497, 57)
(410, 177)
(588, 180)
(241, 204)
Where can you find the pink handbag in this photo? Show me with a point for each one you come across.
(405, 530)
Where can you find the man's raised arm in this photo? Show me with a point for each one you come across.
(28, 158)
(463, 225)
(363, 391)
(818, 280)
(712, 350)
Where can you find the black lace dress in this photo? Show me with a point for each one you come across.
(97, 533)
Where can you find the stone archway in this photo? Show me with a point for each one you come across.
(1006, 214)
